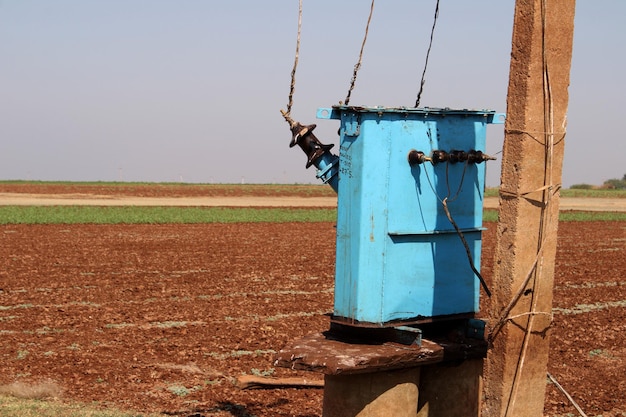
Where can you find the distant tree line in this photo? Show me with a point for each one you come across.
(612, 184)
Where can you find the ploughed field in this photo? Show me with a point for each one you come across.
(164, 318)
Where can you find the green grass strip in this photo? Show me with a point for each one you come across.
(573, 193)
(571, 216)
(587, 216)
(194, 215)
(159, 215)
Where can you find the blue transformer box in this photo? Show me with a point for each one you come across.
(404, 176)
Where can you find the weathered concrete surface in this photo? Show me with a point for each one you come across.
(520, 315)
(450, 389)
(380, 394)
(317, 353)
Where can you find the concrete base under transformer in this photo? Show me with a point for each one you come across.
(434, 379)
(378, 394)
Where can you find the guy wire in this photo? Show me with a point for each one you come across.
(567, 395)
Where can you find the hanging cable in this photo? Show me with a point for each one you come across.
(287, 114)
(430, 44)
(444, 203)
(458, 190)
(468, 251)
(358, 64)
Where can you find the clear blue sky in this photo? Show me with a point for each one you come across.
(190, 90)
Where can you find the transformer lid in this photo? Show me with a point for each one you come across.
(335, 112)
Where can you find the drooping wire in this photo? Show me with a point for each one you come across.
(444, 204)
(287, 114)
(430, 44)
(358, 64)
(458, 190)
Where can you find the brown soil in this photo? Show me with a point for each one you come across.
(165, 317)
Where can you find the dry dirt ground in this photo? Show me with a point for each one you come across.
(165, 317)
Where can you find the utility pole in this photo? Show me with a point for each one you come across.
(521, 306)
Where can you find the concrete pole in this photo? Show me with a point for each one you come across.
(377, 394)
(520, 315)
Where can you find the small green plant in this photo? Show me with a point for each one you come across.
(179, 390)
(16, 307)
(600, 353)
(169, 324)
(257, 372)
